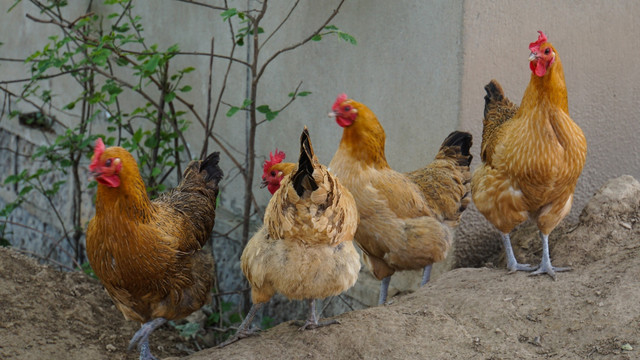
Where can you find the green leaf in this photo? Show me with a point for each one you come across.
(316, 37)
(170, 96)
(264, 109)
(155, 172)
(173, 48)
(187, 70)
(185, 88)
(137, 136)
(348, 38)
(246, 103)
(272, 115)
(11, 179)
(304, 93)
(152, 64)
(331, 27)
(232, 111)
(25, 190)
(227, 14)
(188, 330)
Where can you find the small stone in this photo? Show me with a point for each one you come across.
(625, 225)
(626, 347)
(110, 348)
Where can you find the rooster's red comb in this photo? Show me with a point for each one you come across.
(339, 100)
(535, 46)
(273, 159)
(97, 153)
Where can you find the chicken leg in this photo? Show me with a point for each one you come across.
(384, 289)
(245, 327)
(512, 263)
(141, 338)
(312, 321)
(545, 265)
(426, 275)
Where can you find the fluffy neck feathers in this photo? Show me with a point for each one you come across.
(130, 199)
(549, 89)
(364, 140)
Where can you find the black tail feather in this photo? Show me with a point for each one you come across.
(303, 178)
(494, 94)
(210, 165)
(463, 140)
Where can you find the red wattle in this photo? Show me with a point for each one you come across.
(343, 122)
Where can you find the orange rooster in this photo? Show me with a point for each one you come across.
(406, 220)
(148, 254)
(305, 248)
(532, 156)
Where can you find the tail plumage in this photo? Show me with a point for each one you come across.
(303, 178)
(446, 181)
(210, 165)
(457, 145)
(497, 110)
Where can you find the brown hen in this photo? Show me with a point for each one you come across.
(148, 254)
(406, 220)
(532, 156)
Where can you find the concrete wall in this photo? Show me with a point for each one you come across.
(419, 65)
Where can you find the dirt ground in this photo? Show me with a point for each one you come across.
(592, 312)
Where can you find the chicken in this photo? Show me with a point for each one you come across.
(148, 254)
(406, 220)
(274, 170)
(532, 156)
(305, 248)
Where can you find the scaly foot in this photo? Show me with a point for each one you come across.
(512, 263)
(140, 339)
(145, 352)
(520, 267)
(545, 265)
(240, 334)
(310, 325)
(549, 270)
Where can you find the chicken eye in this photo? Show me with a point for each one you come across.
(547, 51)
(273, 173)
(107, 163)
(347, 108)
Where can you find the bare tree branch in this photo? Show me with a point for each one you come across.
(295, 46)
(280, 25)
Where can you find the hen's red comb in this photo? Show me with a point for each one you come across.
(273, 159)
(97, 153)
(535, 46)
(339, 100)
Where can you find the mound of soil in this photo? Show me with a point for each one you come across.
(47, 314)
(592, 312)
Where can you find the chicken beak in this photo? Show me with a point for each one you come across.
(333, 114)
(263, 184)
(533, 56)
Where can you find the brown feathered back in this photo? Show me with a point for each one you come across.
(445, 182)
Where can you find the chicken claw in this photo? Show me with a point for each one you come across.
(512, 263)
(245, 330)
(310, 325)
(312, 321)
(545, 266)
(141, 338)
